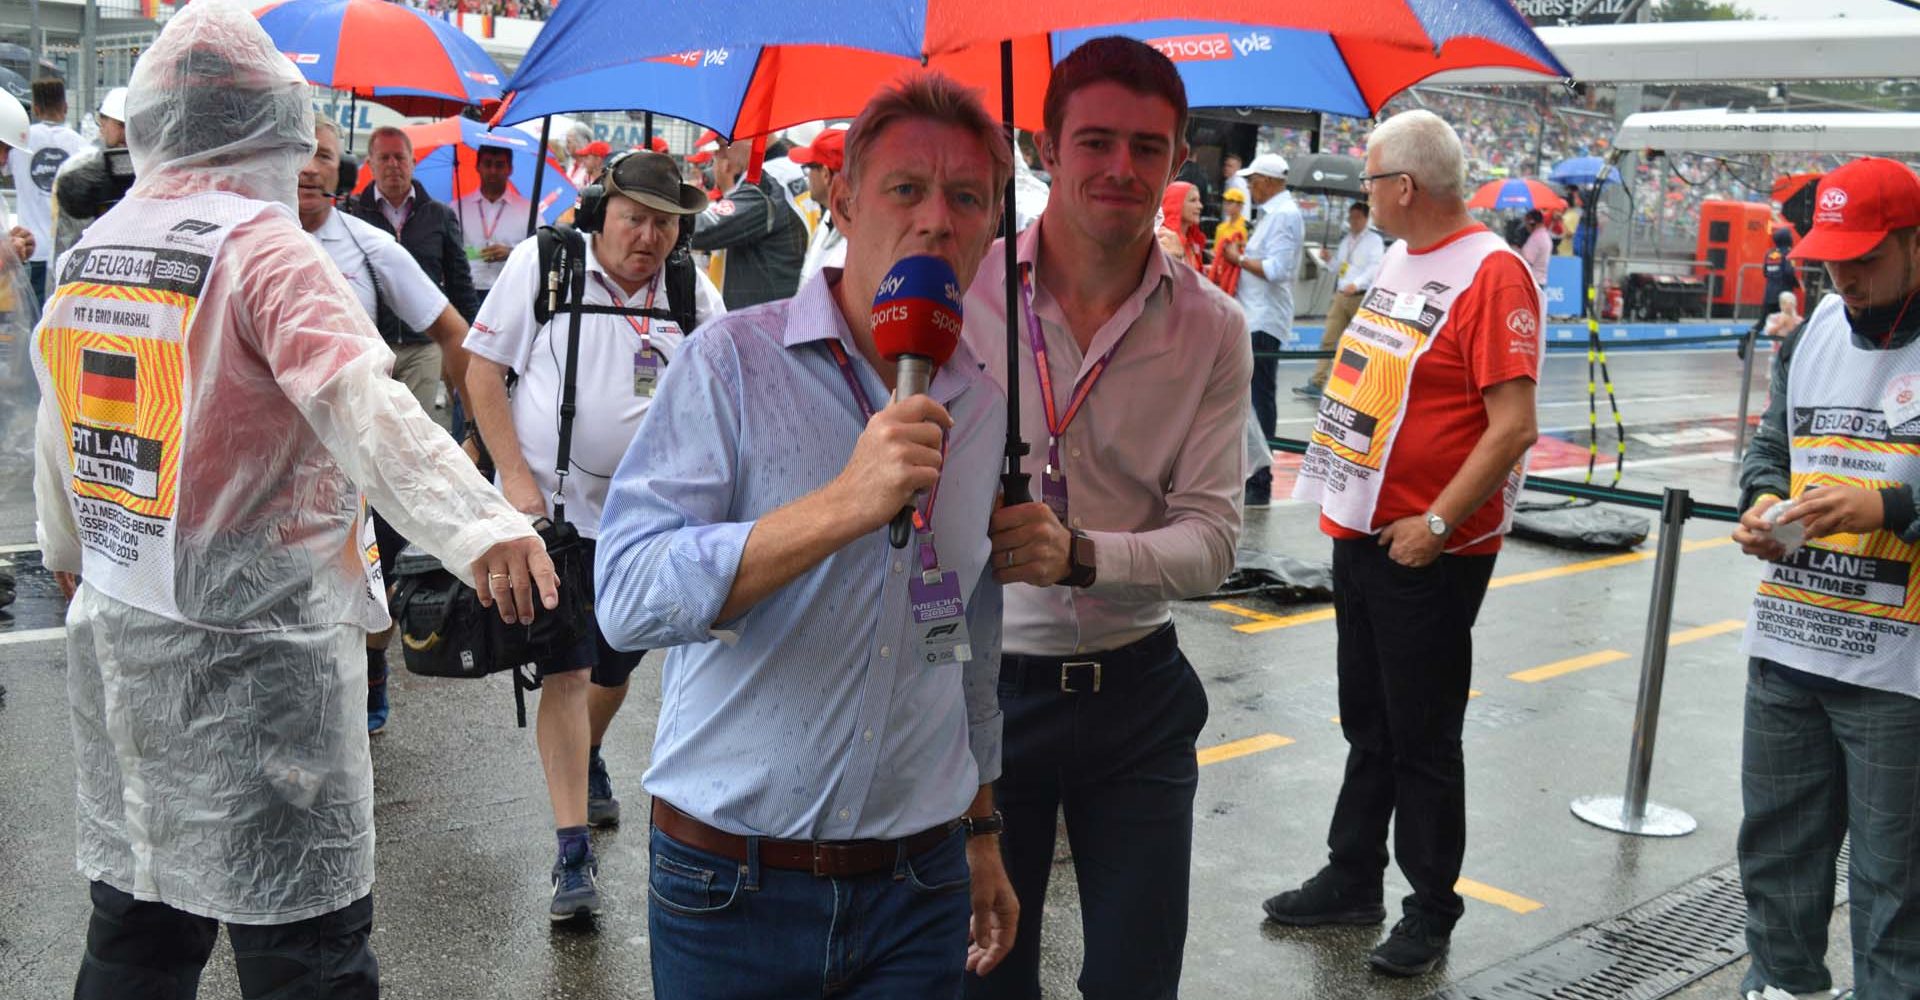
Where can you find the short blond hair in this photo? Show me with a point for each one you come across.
(930, 96)
(1423, 145)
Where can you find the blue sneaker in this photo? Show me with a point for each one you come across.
(576, 889)
(602, 808)
(377, 707)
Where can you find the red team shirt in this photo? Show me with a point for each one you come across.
(1486, 341)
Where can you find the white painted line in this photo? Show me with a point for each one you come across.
(32, 635)
(8, 550)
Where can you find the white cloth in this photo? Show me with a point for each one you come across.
(1846, 606)
(364, 252)
(484, 222)
(34, 168)
(1276, 243)
(609, 409)
(1357, 260)
(1156, 485)
(827, 248)
(222, 749)
(1537, 251)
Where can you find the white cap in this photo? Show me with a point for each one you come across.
(1266, 165)
(13, 122)
(114, 105)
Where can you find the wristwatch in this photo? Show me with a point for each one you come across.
(1437, 525)
(1080, 569)
(981, 826)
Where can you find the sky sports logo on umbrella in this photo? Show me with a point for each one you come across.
(694, 58)
(1213, 47)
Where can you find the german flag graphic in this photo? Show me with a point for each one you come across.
(107, 388)
(1347, 369)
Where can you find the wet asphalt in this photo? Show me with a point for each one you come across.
(464, 829)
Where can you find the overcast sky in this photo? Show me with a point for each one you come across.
(1802, 9)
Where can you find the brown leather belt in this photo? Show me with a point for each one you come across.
(829, 858)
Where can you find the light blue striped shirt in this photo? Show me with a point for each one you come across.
(812, 715)
(1276, 243)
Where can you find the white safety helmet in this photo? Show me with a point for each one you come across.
(114, 105)
(13, 121)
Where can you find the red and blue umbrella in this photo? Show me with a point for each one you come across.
(384, 52)
(1344, 59)
(1516, 194)
(444, 154)
(1582, 171)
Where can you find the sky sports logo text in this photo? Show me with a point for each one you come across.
(1206, 48)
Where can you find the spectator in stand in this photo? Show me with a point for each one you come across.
(1354, 265)
(1179, 231)
(1231, 231)
(493, 220)
(1448, 360)
(1538, 248)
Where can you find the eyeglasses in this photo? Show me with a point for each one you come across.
(1366, 180)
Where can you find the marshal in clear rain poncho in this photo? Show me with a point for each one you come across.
(214, 403)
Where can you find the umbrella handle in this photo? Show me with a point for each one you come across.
(1013, 482)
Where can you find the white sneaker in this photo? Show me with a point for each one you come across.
(1776, 993)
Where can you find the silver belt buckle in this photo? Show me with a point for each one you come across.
(1066, 674)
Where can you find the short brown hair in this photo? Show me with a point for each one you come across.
(1131, 63)
(390, 132)
(936, 97)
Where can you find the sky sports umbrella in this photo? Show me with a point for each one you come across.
(1516, 194)
(444, 154)
(1582, 171)
(748, 67)
(385, 52)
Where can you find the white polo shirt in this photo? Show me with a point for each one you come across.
(360, 250)
(483, 222)
(608, 409)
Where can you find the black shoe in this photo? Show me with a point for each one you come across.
(1257, 499)
(1412, 948)
(1326, 898)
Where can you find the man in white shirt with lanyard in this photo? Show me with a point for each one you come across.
(1833, 691)
(1269, 260)
(1139, 506)
(493, 218)
(379, 270)
(1354, 264)
(632, 220)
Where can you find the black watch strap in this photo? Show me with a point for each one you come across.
(1080, 568)
(981, 826)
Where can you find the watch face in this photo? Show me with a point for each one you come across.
(1436, 525)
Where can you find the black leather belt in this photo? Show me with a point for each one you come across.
(1089, 673)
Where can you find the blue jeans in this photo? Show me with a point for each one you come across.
(1817, 764)
(729, 930)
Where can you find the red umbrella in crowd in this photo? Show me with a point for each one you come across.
(1515, 193)
(385, 52)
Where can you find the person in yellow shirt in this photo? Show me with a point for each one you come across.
(1232, 229)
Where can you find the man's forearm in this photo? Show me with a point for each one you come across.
(1511, 430)
(487, 395)
(784, 544)
(450, 332)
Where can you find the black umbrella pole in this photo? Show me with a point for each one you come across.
(539, 174)
(1013, 482)
(646, 132)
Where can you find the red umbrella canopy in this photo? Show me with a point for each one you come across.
(384, 52)
(1516, 194)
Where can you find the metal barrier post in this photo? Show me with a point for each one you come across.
(1632, 813)
(1746, 390)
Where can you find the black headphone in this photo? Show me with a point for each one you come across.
(591, 214)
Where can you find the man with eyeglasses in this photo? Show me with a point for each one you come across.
(1416, 459)
(1271, 259)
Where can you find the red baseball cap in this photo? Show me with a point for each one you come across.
(829, 150)
(1857, 206)
(596, 148)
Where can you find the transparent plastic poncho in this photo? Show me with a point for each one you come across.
(219, 708)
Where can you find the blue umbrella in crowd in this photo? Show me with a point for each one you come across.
(1582, 171)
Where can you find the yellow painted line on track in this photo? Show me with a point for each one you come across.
(1262, 622)
(1241, 748)
(1560, 668)
(1706, 631)
(1498, 897)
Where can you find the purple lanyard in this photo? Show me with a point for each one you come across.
(922, 519)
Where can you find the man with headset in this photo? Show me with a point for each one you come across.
(642, 296)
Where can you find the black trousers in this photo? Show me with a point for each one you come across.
(151, 951)
(1121, 762)
(1266, 387)
(1405, 661)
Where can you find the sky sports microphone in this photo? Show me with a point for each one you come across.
(916, 325)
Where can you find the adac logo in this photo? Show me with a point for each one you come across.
(1833, 199)
(694, 58)
(1211, 47)
(1523, 323)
